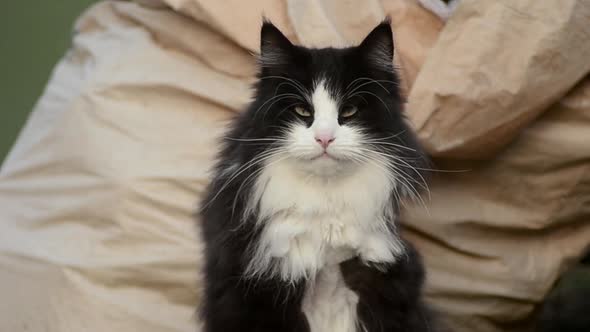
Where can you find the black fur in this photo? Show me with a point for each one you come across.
(390, 295)
(566, 307)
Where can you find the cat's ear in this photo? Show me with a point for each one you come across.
(275, 48)
(377, 47)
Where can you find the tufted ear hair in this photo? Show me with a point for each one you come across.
(275, 48)
(377, 47)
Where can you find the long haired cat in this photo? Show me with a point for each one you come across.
(299, 220)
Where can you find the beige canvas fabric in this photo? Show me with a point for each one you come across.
(96, 197)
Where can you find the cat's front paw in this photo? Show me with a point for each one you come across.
(381, 248)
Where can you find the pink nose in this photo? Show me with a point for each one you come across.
(324, 140)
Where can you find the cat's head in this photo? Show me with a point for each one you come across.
(331, 110)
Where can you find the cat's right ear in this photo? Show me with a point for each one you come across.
(275, 48)
(378, 46)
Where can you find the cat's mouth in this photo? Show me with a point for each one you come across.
(324, 156)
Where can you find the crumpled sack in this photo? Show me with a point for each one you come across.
(97, 195)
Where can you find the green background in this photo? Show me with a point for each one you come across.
(33, 37)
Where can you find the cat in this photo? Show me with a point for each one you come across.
(300, 219)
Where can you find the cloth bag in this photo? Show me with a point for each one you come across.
(98, 193)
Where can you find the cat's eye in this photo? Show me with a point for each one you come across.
(348, 111)
(302, 111)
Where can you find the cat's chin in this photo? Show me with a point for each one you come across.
(326, 166)
(324, 157)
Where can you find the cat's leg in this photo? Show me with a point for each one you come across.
(389, 294)
(234, 304)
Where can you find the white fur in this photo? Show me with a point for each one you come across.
(316, 212)
(310, 222)
(326, 112)
(329, 305)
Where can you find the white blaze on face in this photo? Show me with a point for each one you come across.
(306, 142)
(325, 124)
(324, 135)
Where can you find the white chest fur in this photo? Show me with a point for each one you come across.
(310, 225)
(329, 305)
(310, 222)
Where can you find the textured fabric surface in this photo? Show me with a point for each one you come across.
(97, 195)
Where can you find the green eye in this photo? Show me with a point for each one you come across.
(348, 111)
(302, 111)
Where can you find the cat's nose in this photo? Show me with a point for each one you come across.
(325, 139)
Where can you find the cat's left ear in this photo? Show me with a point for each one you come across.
(275, 48)
(377, 47)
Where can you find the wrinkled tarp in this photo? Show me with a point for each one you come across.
(97, 195)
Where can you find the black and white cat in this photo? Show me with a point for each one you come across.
(299, 220)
